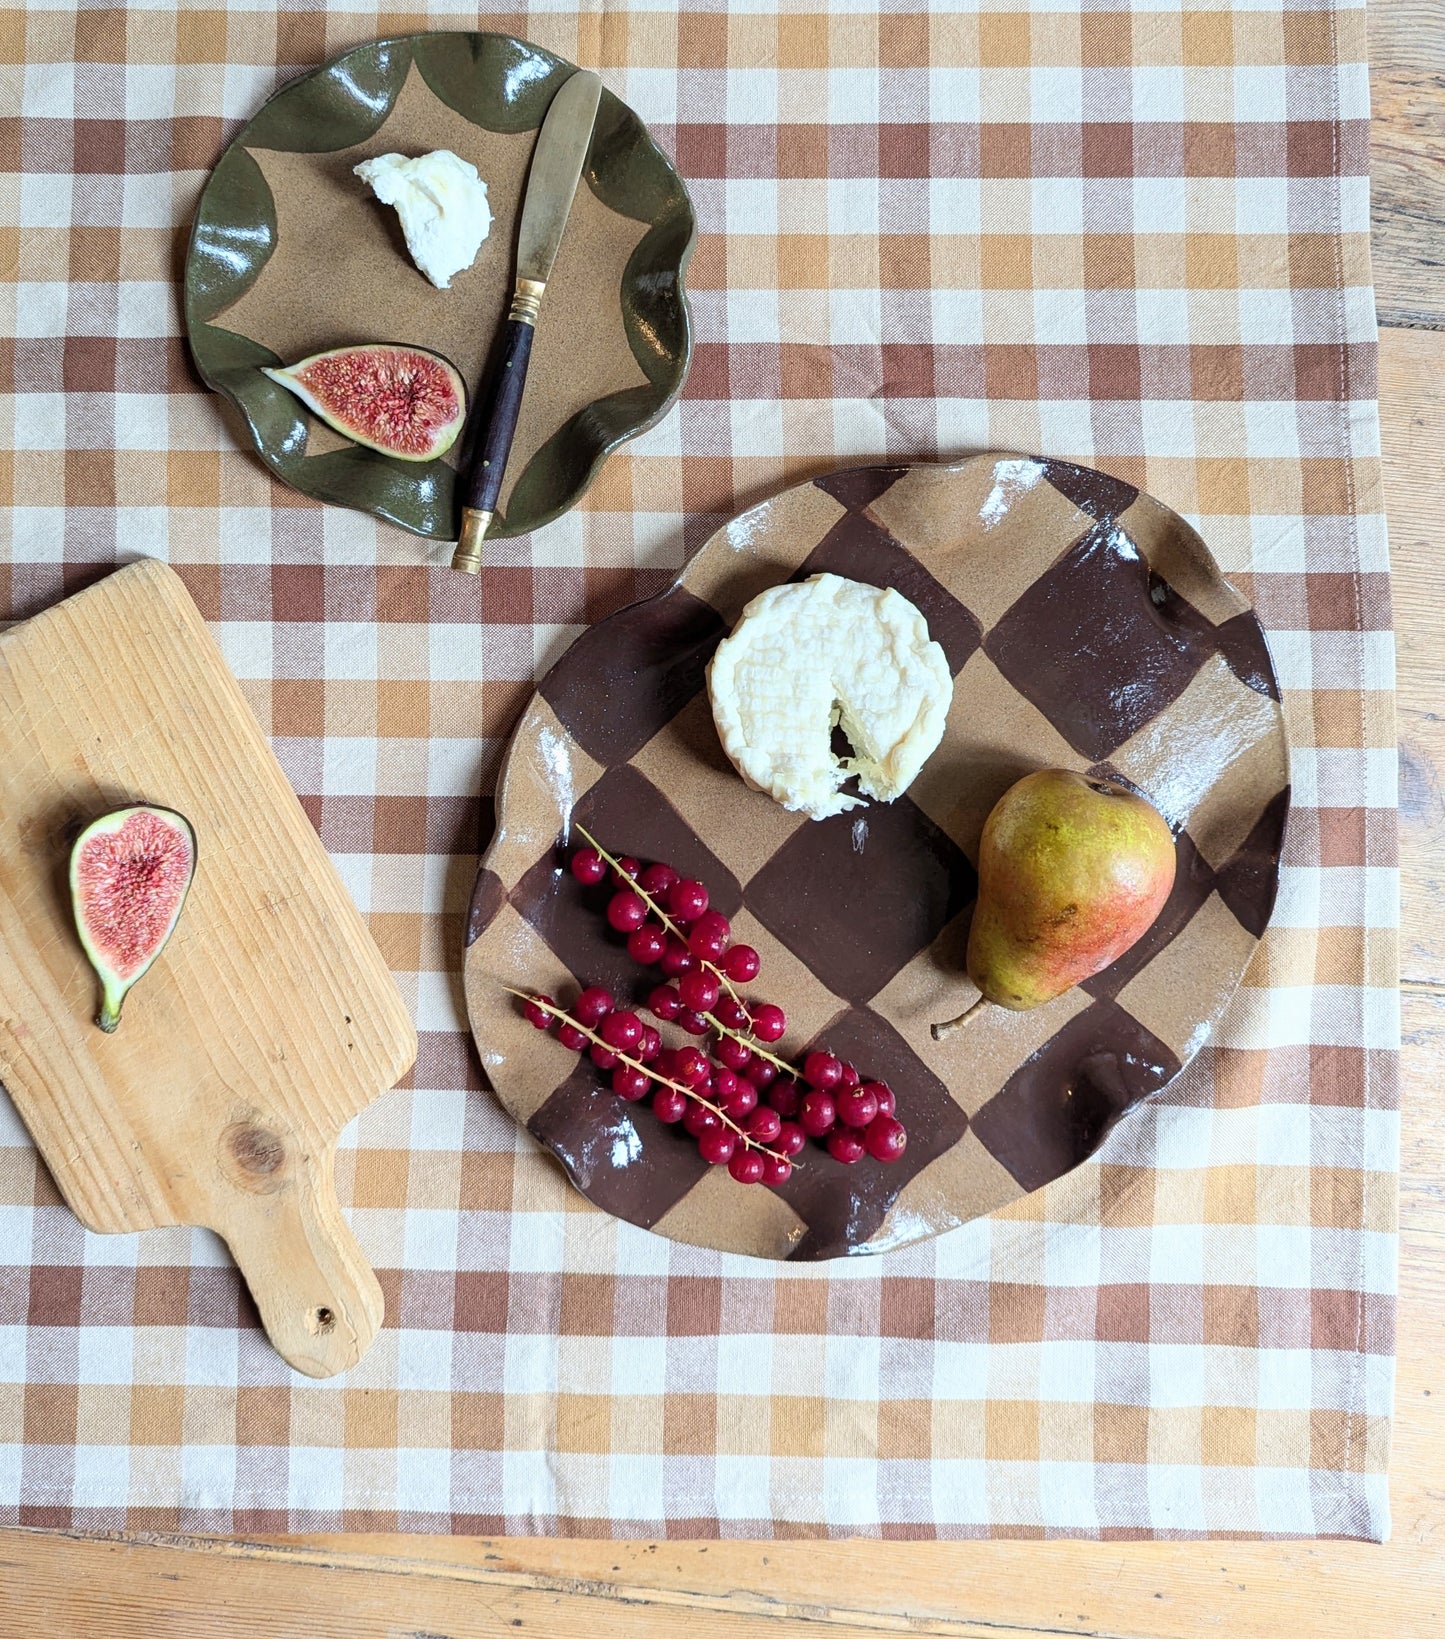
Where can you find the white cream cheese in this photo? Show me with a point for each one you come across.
(828, 652)
(442, 203)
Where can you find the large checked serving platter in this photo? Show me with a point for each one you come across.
(1087, 627)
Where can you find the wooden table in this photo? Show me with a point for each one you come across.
(459, 1588)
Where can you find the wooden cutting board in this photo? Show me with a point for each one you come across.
(269, 1020)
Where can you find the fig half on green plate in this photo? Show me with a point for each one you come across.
(400, 401)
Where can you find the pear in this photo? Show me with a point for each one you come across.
(1072, 871)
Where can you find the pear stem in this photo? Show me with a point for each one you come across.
(942, 1031)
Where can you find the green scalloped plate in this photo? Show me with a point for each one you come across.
(503, 85)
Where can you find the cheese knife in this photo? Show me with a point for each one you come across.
(552, 181)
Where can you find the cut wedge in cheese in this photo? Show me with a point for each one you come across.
(821, 654)
(442, 203)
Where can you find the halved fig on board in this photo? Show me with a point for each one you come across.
(130, 871)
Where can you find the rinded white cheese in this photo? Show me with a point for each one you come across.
(442, 203)
(824, 653)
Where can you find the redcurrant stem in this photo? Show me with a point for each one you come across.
(758, 1050)
(658, 911)
(749, 1142)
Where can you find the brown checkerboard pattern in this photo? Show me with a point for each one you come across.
(1137, 239)
(1049, 587)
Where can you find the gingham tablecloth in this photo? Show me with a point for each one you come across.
(1136, 238)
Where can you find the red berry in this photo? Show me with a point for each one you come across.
(708, 937)
(699, 990)
(686, 900)
(593, 1005)
(650, 1045)
(777, 1170)
(725, 1082)
(733, 1053)
(622, 1030)
(741, 1101)
(850, 1077)
(669, 1105)
(746, 1166)
(790, 1139)
(627, 869)
(677, 959)
(656, 880)
(817, 1114)
(700, 1119)
(588, 866)
(646, 944)
(761, 1073)
(883, 1094)
(846, 1144)
(629, 1083)
(733, 1014)
(690, 1066)
(785, 1096)
(570, 1036)
(742, 964)
(856, 1106)
(716, 1146)
(769, 1022)
(693, 1023)
(764, 1124)
(625, 911)
(602, 1057)
(885, 1138)
(823, 1071)
(536, 1014)
(664, 1004)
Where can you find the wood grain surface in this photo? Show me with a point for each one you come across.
(270, 1020)
(1407, 160)
(446, 1588)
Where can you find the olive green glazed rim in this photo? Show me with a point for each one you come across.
(501, 84)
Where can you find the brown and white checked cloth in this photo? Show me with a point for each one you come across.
(1136, 238)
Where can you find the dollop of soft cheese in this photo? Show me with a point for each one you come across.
(442, 203)
(828, 652)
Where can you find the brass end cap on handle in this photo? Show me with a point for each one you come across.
(468, 556)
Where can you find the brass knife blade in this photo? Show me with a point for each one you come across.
(556, 168)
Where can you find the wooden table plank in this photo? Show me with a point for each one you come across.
(427, 1588)
(1407, 160)
(1412, 386)
(1414, 501)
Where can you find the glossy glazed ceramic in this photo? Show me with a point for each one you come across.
(501, 86)
(1087, 627)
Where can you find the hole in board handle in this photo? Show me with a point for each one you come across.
(320, 1321)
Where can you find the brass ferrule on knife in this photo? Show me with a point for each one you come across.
(526, 301)
(468, 555)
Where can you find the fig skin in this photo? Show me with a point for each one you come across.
(405, 402)
(126, 906)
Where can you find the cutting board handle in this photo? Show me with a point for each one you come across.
(320, 1301)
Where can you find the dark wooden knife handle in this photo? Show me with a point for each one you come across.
(497, 423)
